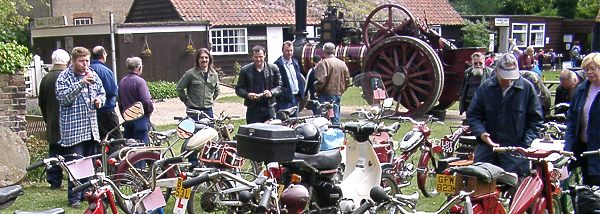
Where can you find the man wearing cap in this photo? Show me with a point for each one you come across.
(505, 111)
(49, 108)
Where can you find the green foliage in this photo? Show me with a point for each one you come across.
(38, 150)
(520, 7)
(12, 24)
(162, 89)
(13, 57)
(566, 8)
(475, 34)
(481, 7)
(587, 9)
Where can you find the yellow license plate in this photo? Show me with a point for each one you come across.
(445, 183)
(181, 192)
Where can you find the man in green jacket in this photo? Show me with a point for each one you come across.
(199, 87)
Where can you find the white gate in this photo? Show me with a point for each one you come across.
(33, 76)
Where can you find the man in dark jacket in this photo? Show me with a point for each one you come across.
(49, 107)
(505, 111)
(474, 76)
(568, 83)
(291, 77)
(259, 83)
(107, 117)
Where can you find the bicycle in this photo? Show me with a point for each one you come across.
(228, 192)
(105, 192)
(540, 189)
(413, 141)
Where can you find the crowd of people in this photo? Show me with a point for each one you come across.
(506, 107)
(79, 94)
(503, 97)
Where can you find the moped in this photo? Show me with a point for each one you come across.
(362, 172)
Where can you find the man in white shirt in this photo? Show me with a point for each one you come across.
(291, 77)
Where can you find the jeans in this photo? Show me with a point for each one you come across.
(259, 114)
(84, 149)
(286, 105)
(137, 129)
(335, 100)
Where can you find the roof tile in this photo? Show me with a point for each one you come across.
(240, 12)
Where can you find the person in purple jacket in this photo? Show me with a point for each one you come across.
(133, 88)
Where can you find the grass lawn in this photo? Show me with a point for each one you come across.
(38, 196)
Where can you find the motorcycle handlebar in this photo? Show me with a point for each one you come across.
(531, 152)
(35, 165)
(364, 207)
(195, 181)
(590, 153)
(168, 161)
(82, 186)
(264, 200)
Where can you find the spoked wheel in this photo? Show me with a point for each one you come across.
(205, 198)
(411, 72)
(139, 166)
(389, 184)
(426, 174)
(249, 170)
(386, 21)
(128, 185)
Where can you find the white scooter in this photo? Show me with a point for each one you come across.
(363, 170)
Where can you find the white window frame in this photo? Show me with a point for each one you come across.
(82, 21)
(437, 29)
(541, 38)
(524, 32)
(218, 47)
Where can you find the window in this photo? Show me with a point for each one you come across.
(536, 34)
(229, 41)
(82, 21)
(437, 29)
(519, 33)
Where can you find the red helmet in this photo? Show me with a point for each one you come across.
(295, 198)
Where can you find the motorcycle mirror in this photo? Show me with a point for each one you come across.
(185, 129)
(133, 112)
(388, 102)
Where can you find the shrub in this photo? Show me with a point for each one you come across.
(38, 150)
(13, 57)
(476, 34)
(162, 89)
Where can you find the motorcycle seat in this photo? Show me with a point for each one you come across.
(324, 160)
(289, 111)
(10, 193)
(51, 211)
(485, 172)
(508, 178)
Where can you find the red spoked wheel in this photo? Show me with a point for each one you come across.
(386, 21)
(411, 71)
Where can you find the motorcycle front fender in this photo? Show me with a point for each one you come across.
(529, 190)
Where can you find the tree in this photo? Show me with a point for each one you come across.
(13, 38)
(476, 34)
(587, 9)
(12, 24)
(481, 7)
(566, 8)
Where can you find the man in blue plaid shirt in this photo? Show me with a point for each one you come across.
(79, 93)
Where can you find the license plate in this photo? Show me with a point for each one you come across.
(445, 183)
(448, 146)
(181, 192)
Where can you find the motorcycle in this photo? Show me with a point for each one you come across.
(313, 175)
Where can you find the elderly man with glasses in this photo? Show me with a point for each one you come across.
(474, 75)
